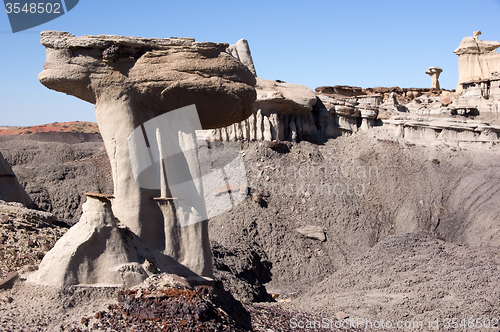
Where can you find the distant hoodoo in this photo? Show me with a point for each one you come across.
(434, 73)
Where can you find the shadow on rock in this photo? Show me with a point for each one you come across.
(244, 271)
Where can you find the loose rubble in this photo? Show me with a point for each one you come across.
(25, 236)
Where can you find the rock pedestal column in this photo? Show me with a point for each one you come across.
(434, 73)
(133, 80)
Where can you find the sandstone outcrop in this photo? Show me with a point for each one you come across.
(279, 118)
(284, 98)
(477, 59)
(282, 111)
(392, 104)
(426, 105)
(478, 96)
(341, 90)
(291, 112)
(10, 188)
(403, 95)
(344, 109)
(446, 130)
(135, 80)
(170, 73)
(479, 77)
(241, 51)
(413, 114)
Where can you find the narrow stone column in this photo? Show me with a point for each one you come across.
(434, 73)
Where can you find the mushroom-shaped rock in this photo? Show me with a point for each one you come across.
(151, 75)
(474, 45)
(434, 73)
(368, 117)
(133, 81)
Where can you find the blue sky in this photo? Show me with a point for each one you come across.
(314, 43)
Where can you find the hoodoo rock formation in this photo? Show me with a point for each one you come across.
(132, 81)
(477, 59)
(434, 73)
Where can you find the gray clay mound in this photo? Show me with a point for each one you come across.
(413, 277)
(410, 188)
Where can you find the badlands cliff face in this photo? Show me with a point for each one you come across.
(285, 111)
(292, 112)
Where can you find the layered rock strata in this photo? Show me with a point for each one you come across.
(403, 95)
(332, 115)
(478, 96)
(292, 112)
(286, 112)
(447, 130)
(477, 59)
